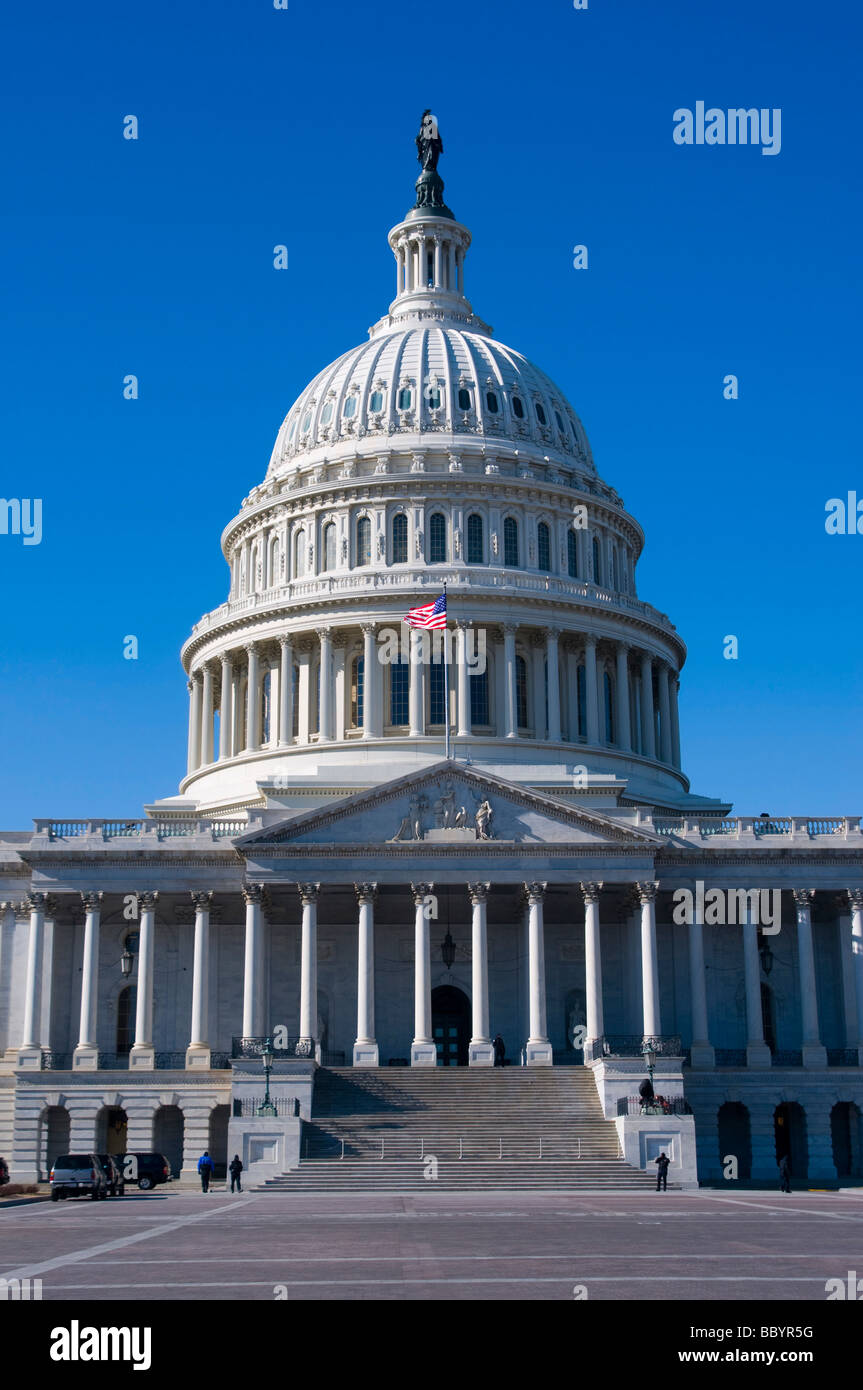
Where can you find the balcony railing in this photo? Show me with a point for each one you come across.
(633, 1045)
(143, 828)
(742, 827)
(119, 1061)
(291, 1048)
(660, 1105)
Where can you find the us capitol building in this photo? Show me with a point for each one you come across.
(392, 844)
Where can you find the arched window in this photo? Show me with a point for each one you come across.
(364, 541)
(521, 692)
(464, 400)
(540, 413)
(127, 1001)
(350, 407)
(295, 684)
(327, 413)
(572, 553)
(330, 546)
(400, 539)
(475, 542)
(543, 547)
(614, 583)
(491, 402)
(510, 542)
(266, 705)
(597, 567)
(609, 707)
(518, 407)
(399, 693)
(357, 691)
(437, 538)
(376, 402)
(300, 555)
(479, 710)
(405, 398)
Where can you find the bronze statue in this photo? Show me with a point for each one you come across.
(429, 143)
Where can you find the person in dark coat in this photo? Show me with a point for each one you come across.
(784, 1174)
(662, 1172)
(235, 1168)
(205, 1170)
(499, 1050)
(645, 1090)
(4, 1172)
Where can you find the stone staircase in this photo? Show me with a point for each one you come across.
(489, 1129)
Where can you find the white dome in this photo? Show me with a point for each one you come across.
(431, 377)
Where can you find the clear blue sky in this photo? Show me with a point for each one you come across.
(260, 126)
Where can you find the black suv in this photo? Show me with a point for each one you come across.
(146, 1169)
(78, 1175)
(113, 1174)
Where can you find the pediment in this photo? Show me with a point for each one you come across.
(448, 804)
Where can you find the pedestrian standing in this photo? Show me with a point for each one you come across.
(205, 1169)
(662, 1172)
(499, 1050)
(784, 1174)
(235, 1168)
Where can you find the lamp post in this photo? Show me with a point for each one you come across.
(268, 1058)
(648, 1051)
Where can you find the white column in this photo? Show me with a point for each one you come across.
(423, 1050)
(31, 1040)
(365, 1047)
(572, 694)
(652, 1025)
(538, 1050)
(675, 722)
(621, 703)
(226, 715)
(304, 691)
(702, 1054)
(253, 895)
(814, 1054)
(855, 899)
(416, 688)
(371, 701)
(437, 263)
(648, 724)
(253, 700)
(325, 718)
(142, 1056)
(194, 687)
(236, 712)
(198, 1051)
(309, 967)
(551, 649)
(481, 1051)
(463, 728)
(207, 718)
(591, 692)
(286, 692)
(592, 969)
(664, 714)
(510, 695)
(757, 1051)
(86, 1056)
(538, 675)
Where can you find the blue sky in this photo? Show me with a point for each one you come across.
(260, 127)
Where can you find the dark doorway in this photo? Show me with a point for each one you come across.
(845, 1132)
(768, 1016)
(789, 1124)
(450, 1025)
(735, 1139)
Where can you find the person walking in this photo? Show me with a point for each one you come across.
(645, 1091)
(205, 1170)
(784, 1174)
(662, 1164)
(499, 1050)
(235, 1168)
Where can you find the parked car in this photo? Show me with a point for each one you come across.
(78, 1175)
(113, 1174)
(148, 1170)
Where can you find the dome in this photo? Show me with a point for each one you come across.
(431, 378)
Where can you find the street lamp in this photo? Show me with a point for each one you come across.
(447, 950)
(649, 1054)
(126, 963)
(268, 1058)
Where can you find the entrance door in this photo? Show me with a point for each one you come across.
(450, 1025)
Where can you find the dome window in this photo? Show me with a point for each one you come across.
(560, 425)
(518, 407)
(307, 420)
(406, 396)
(543, 546)
(400, 539)
(464, 400)
(572, 553)
(350, 407)
(377, 401)
(437, 539)
(540, 414)
(292, 431)
(510, 542)
(475, 540)
(330, 546)
(433, 397)
(364, 541)
(491, 402)
(327, 413)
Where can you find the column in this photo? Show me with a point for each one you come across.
(855, 899)
(592, 971)
(365, 1047)
(649, 962)
(416, 690)
(648, 725)
(702, 1054)
(450, 258)
(253, 1023)
(30, 1052)
(286, 692)
(538, 1050)
(757, 1051)
(510, 694)
(675, 721)
(463, 728)
(143, 1057)
(207, 718)
(538, 672)
(304, 688)
(371, 700)
(253, 700)
(236, 712)
(194, 687)
(225, 709)
(664, 714)
(481, 1051)
(814, 1054)
(572, 694)
(325, 714)
(423, 1050)
(551, 651)
(621, 704)
(591, 692)
(198, 1051)
(309, 969)
(86, 1056)
(437, 263)
(340, 677)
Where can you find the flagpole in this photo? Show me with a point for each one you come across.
(446, 680)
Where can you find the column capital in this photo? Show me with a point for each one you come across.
(552, 632)
(91, 901)
(202, 900)
(589, 640)
(478, 892)
(253, 893)
(803, 898)
(623, 645)
(421, 891)
(323, 632)
(190, 683)
(250, 648)
(535, 892)
(646, 891)
(147, 900)
(369, 629)
(36, 902)
(366, 892)
(590, 892)
(855, 898)
(309, 892)
(285, 641)
(509, 629)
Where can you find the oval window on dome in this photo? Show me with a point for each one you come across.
(540, 413)
(434, 398)
(292, 431)
(405, 398)
(560, 425)
(491, 402)
(327, 413)
(464, 401)
(307, 420)
(350, 407)
(518, 407)
(377, 401)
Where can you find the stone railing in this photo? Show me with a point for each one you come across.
(756, 827)
(143, 828)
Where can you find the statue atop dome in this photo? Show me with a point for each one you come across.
(429, 143)
(429, 185)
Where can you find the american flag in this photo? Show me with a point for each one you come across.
(430, 615)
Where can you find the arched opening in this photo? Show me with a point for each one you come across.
(735, 1137)
(218, 1139)
(168, 1129)
(54, 1135)
(437, 539)
(451, 1025)
(400, 539)
(357, 691)
(845, 1134)
(330, 546)
(300, 555)
(789, 1127)
(111, 1130)
(364, 541)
